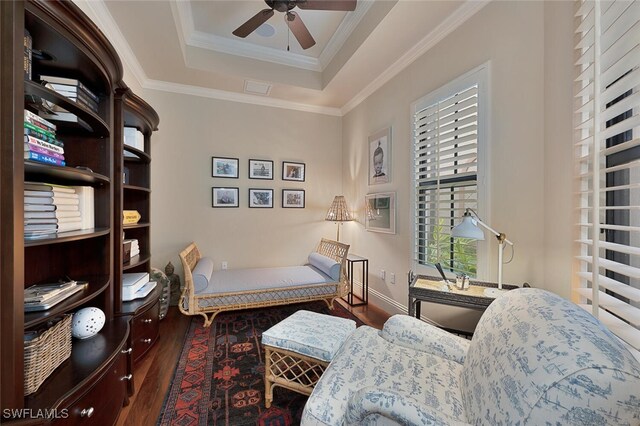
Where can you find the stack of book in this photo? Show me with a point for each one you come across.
(41, 297)
(74, 90)
(50, 209)
(40, 143)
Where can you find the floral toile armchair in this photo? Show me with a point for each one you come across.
(535, 358)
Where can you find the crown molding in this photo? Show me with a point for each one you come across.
(253, 51)
(224, 95)
(344, 30)
(446, 27)
(102, 17)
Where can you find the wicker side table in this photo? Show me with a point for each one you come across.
(299, 349)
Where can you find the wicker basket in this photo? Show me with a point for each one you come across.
(45, 353)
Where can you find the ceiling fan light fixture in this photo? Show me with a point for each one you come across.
(266, 30)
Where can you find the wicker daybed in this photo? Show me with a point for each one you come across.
(230, 290)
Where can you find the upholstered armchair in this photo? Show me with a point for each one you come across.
(535, 358)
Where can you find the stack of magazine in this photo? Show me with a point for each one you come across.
(40, 297)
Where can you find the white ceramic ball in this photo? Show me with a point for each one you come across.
(87, 322)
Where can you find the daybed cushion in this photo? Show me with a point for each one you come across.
(239, 280)
(202, 274)
(326, 265)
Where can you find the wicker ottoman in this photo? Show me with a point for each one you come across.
(299, 348)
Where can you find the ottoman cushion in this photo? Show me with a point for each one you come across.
(307, 333)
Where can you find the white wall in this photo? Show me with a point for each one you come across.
(559, 214)
(192, 130)
(511, 36)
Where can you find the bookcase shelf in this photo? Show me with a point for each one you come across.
(136, 260)
(61, 174)
(137, 225)
(64, 237)
(97, 285)
(142, 157)
(98, 126)
(136, 188)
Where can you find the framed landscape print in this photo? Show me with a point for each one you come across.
(380, 212)
(261, 198)
(224, 197)
(224, 167)
(293, 198)
(293, 171)
(260, 169)
(380, 157)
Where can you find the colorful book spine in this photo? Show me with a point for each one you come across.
(38, 142)
(36, 132)
(36, 120)
(41, 158)
(40, 150)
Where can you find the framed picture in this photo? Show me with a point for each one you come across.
(381, 212)
(380, 157)
(224, 197)
(260, 169)
(223, 167)
(261, 198)
(293, 171)
(293, 198)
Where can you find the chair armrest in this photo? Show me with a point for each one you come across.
(400, 409)
(409, 332)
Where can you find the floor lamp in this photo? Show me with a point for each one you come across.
(338, 212)
(468, 228)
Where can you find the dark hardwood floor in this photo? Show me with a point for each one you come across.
(154, 373)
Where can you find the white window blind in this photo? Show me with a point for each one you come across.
(607, 146)
(446, 133)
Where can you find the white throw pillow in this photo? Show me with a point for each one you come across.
(326, 265)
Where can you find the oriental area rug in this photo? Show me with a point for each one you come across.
(219, 379)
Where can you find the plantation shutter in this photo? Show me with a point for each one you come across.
(446, 173)
(607, 145)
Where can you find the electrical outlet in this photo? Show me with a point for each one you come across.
(383, 274)
(224, 264)
(392, 278)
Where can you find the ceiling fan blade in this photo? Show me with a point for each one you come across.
(253, 23)
(299, 30)
(346, 5)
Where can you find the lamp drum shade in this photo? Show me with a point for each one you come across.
(338, 211)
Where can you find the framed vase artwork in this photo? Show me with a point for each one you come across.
(380, 157)
(224, 197)
(293, 171)
(380, 212)
(223, 167)
(260, 198)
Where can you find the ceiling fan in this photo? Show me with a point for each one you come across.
(295, 24)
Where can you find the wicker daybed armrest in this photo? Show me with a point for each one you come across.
(189, 258)
(338, 252)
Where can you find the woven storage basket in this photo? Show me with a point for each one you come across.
(45, 353)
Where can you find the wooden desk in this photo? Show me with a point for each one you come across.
(433, 289)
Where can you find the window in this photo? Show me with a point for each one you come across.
(447, 150)
(607, 144)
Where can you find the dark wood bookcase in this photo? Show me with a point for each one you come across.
(135, 194)
(67, 44)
